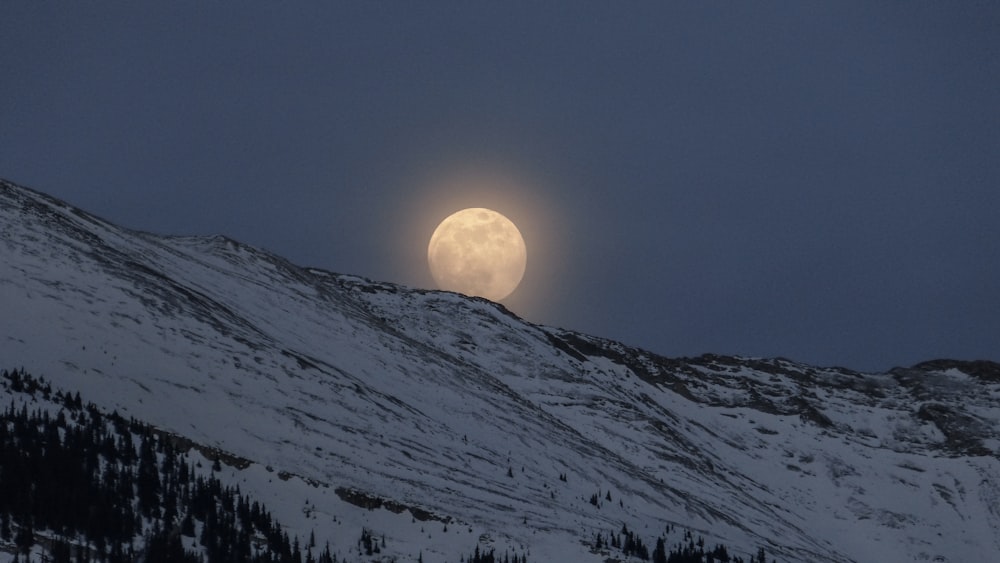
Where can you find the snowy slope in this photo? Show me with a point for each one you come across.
(454, 406)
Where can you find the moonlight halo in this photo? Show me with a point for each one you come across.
(477, 251)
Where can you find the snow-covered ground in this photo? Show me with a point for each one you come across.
(456, 407)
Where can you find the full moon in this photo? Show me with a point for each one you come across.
(479, 252)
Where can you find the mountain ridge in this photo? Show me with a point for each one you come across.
(381, 387)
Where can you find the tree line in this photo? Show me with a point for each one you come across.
(89, 487)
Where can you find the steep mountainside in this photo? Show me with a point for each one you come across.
(462, 411)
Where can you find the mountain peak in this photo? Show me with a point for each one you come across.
(457, 407)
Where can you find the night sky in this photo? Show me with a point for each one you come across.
(818, 181)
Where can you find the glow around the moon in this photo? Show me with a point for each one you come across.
(477, 251)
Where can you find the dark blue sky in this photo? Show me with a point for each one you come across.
(819, 181)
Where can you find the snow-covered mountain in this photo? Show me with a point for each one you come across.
(443, 421)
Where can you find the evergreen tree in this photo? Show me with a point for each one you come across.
(79, 476)
(660, 551)
(25, 538)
